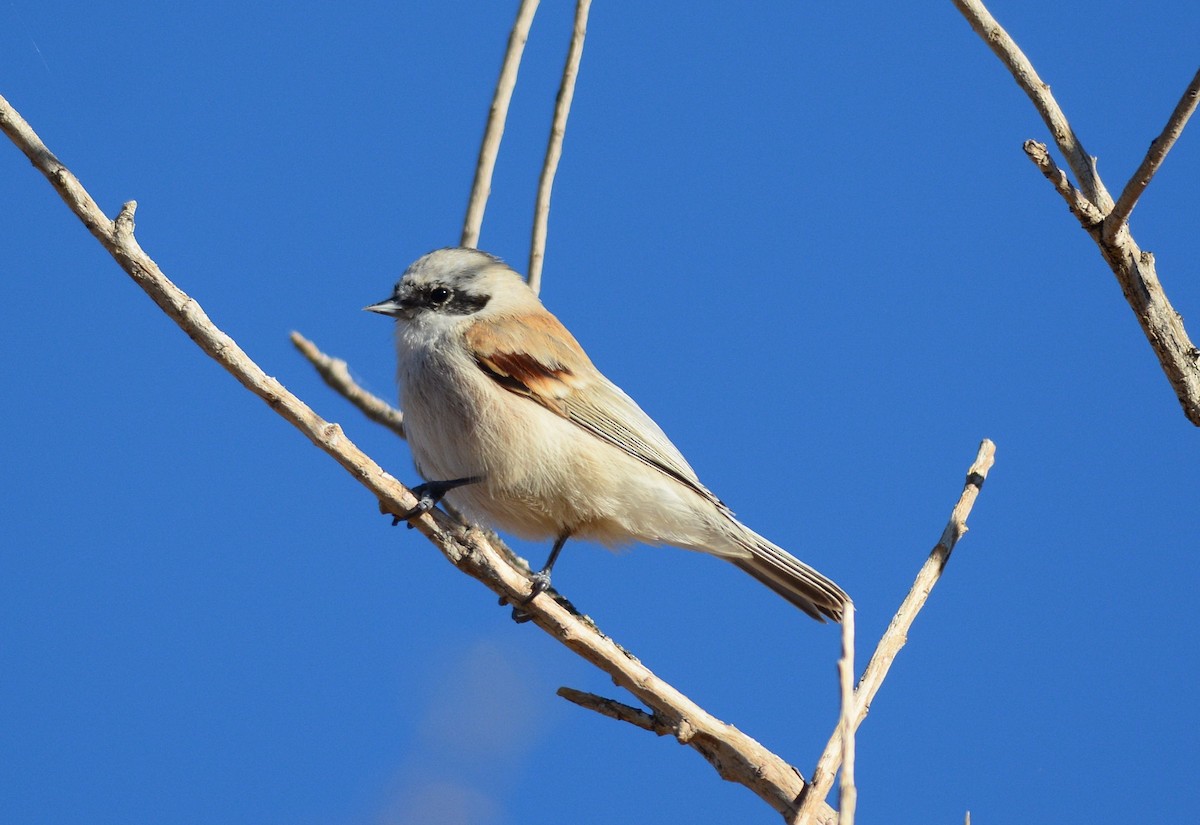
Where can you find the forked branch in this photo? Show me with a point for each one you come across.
(1106, 223)
(1082, 164)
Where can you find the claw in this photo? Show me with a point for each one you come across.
(538, 583)
(427, 499)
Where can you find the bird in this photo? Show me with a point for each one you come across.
(510, 421)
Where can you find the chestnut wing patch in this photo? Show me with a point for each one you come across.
(566, 383)
(525, 375)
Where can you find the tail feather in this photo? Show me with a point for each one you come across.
(793, 580)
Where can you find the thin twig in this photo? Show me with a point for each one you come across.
(734, 755)
(617, 710)
(490, 146)
(999, 41)
(1153, 160)
(896, 634)
(558, 129)
(1082, 208)
(848, 796)
(336, 374)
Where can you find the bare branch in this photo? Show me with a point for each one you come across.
(1137, 275)
(1160, 323)
(1082, 208)
(736, 756)
(896, 634)
(336, 374)
(999, 41)
(1153, 160)
(562, 107)
(617, 710)
(848, 796)
(490, 147)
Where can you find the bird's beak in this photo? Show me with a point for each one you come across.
(391, 307)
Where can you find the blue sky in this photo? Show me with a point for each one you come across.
(804, 237)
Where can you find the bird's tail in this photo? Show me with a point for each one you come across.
(793, 579)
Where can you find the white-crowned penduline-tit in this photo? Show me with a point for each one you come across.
(509, 419)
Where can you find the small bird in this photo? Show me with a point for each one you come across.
(508, 419)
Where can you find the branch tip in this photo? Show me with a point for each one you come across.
(626, 713)
(895, 637)
(335, 372)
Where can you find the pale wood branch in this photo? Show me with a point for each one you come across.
(1154, 157)
(1134, 269)
(490, 146)
(336, 373)
(736, 756)
(617, 710)
(1082, 208)
(998, 40)
(558, 130)
(848, 796)
(695, 729)
(896, 635)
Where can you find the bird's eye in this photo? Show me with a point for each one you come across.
(439, 296)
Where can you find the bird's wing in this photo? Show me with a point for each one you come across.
(536, 357)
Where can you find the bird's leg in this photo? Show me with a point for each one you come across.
(430, 493)
(539, 582)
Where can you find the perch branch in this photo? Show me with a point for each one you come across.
(1135, 271)
(1154, 157)
(682, 727)
(896, 634)
(336, 374)
(558, 129)
(736, 756)
(490, 146)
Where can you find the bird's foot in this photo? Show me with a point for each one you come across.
(428, 495)
(538, 583)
